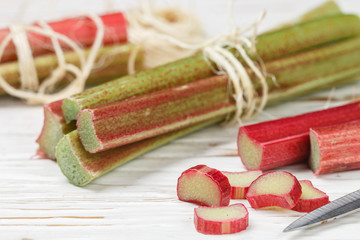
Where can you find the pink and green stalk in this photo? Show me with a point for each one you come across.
(240, 182)
(82, 167)
(285, 141)
(149, 115)
(335, 148)
(53, 130)
(270, 46)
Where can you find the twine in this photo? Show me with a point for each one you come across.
(148, 28)
(225, 52)
(31, 90)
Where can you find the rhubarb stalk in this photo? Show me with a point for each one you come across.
(113, 59)
(285, 141)
(54, 128)
(335, 148)
(269, 46)
(149, 115)
(82, 167)
(82, 30)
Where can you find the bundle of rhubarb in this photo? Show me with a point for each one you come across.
(124, 118)
(126, 44)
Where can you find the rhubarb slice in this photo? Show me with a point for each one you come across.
(221, 220)
(285, 141)
(53, 130)
(274, 189)
(82, 167)
(149, 115)
(311, 198)
(240, 182)
(204, 186)
(335, 148)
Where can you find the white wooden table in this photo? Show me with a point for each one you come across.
(138, 200)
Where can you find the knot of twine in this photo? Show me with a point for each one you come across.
(31, 89)
(229, 53)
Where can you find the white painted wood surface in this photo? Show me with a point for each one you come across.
(138, 200)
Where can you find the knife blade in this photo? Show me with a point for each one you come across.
(338, 207)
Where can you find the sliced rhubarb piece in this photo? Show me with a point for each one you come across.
(221, 220)
(285, 141)
(274, 189)
(335, 148)
(240, 182)
(82, 167)
(53, 130)
(204, 186)
(311, 198)
(149, 115)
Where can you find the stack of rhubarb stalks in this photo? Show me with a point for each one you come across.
(111, 61)
(124, 118)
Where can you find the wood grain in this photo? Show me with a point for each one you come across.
(138, 200)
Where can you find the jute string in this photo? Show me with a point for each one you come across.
(230, 55)
(31, 89)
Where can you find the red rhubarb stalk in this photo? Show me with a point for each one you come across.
(149, 115)
(204, 186)
(285, 141)
(221, 220)
(81, 29)
(335, 148)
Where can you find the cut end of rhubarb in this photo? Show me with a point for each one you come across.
(69, 162)
(240, 182)
(70, 109)
(311, 198)
(314, 160)
(221, 220)
(249, 152)
(280, 189)
(87, 132)
(204, 186)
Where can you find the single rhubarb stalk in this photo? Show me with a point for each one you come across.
(112, 60)
(149, 115)
(221, 220)
(285, 141)
(311, 198)
(274, 189)
(269, 46)
(82, 30)
(204, 186)
(335, 148)
(240, 182)
(82, 167)
(53, 130)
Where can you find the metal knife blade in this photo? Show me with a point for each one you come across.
(338, 207)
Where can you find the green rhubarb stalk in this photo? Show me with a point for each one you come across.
(82, 167)
(112, 60)
(269, 46)
(152, 114)
(53, 130)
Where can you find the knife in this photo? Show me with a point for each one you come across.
(338, 207)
